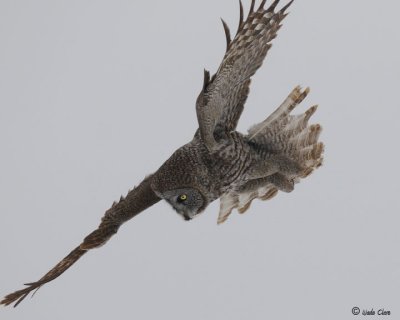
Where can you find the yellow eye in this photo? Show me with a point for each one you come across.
(183, 197)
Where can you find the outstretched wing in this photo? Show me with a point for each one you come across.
(135, 202)
(222, 98)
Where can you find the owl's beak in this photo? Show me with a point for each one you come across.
(187, 215)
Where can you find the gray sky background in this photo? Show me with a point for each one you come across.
(94, 95)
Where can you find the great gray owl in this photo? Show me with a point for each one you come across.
(220, 162)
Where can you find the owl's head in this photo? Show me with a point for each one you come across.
(183, 181)
(188, 202)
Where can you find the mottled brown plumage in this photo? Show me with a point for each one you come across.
(137, 200)
(220, 162)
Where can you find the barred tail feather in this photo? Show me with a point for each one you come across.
(289, 137)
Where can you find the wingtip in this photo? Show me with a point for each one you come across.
(227, 34)
(284, 8)
(17, 297)
(262, 4)
(241, 17)
(253, 3)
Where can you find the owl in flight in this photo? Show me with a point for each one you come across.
(220, 162)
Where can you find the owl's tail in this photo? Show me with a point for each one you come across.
(282, 138)
(291, 135)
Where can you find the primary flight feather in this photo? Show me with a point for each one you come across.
(220, 162)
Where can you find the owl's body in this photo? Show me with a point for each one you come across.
(220, 162)
(272, 157)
